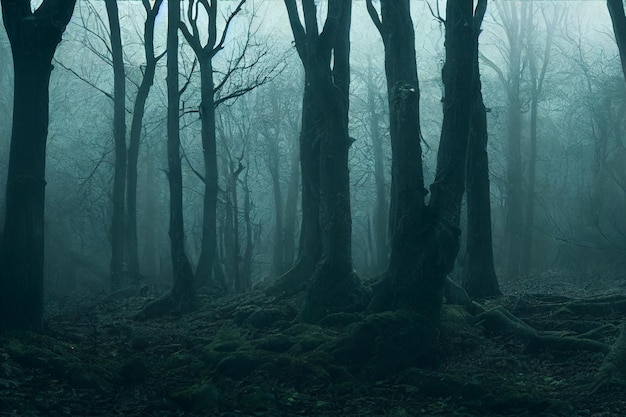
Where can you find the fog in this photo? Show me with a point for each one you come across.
(579, 183)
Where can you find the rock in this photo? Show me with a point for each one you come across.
(237, 366)
(201, 398)
(275, 343)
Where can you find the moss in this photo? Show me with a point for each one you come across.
(256, 399)
(199, 398)
(133, 370)
(275, 343)
(238, 365)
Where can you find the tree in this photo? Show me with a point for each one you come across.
(325, 250)
(618, 19)
(479, 275)
(182, 295)
(516, 24)
(537, 77)
(132, 250)
(212, 94)
(34, 37)
(424, 238)
(119, 138)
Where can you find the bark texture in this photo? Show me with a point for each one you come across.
(479, 275)
(425, 238)
(34, 37)
(118, 235)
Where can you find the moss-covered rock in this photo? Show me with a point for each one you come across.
(275, 343)
(256, 399)
(238, 365)
(199, 398)
(386, 342)
(133, 370)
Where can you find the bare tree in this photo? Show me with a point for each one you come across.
(132, 250)
(213, 92)
(182, 295)
(119, 138)
(34, 37)
(425, 237)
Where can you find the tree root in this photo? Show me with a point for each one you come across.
(499, 319)
(292, 282)
(613, 369)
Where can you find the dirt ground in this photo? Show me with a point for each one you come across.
(246, 356)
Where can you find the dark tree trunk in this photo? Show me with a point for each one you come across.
(407, 208)
(139, 108)
(34, 37)
(618, 18)
(209, 152)
(150, 252)
(233, 201)
(246, 273)
(205, 54)
(334, 284)
(309, 248)
(182, 295)
(183, 291)
(425, 239)
(479, 275)
(118, 238)
(529, 218)
(291, 208)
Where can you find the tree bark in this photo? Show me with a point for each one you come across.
(479, 275)
(309, 248)
(182, 296)
(618, 19)
(208, 103)
(118, 238)
(334, 283)
(34, 37)
(425, 239)
(206, 260)
(139, 109)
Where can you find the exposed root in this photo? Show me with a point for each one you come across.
(293, 281)
(499, 319)
(613, 369)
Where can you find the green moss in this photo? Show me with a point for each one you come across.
(133, 370)
(275, 343)
(257, 399)
(200, 398)
(238, 365)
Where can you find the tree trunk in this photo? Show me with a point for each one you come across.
(139, 109)
(183, 290)
(291, 208)
(182, 295)
(209, 152)
(34, 37)
(479, 275)
(425, 239)
(618, 18)
(333, 286)
(529, 218)
(118, 238)
(407, 181)
(309, 248)
(246, 273)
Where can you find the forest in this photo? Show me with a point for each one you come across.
(313, 207)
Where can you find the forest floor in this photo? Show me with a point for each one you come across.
(244, 355)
